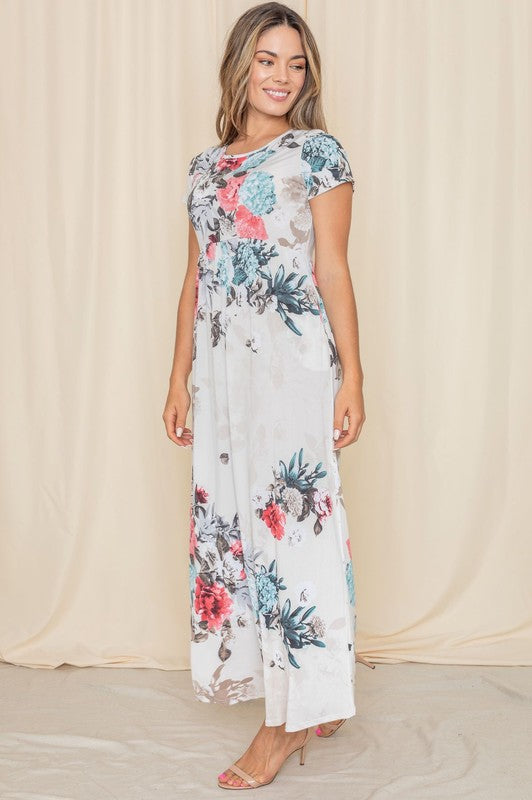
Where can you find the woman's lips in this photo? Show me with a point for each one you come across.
(278, 98)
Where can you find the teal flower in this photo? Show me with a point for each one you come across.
(268, 586)
(223, 277)
(266, 591)
(350, 581)
(320, 151)
(257, 193)
(221, 263)
(325, 156)
(247, 260)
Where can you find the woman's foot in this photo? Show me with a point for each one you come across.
(265, 755)
(326, 728)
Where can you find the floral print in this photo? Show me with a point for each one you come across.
(295, 631)
(294, 492)
(327, 161)
(272, 591)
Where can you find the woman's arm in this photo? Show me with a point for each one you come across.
(331, 214)
(178, 400)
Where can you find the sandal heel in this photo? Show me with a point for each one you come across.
(303, 748)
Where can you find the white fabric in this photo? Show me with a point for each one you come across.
(271, 574)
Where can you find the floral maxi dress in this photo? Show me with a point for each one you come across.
(271, 577)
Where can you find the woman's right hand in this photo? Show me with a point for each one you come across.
(175, 415)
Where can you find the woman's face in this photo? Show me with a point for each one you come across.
(279, 66)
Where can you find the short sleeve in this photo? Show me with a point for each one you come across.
(197, 167)
(324, 164)
(191, 177)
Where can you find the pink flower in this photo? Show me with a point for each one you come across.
(274, 518)
(201, 495)
(210, 250)
(228, 196)
(322, 504)
(243, 575)
(212, 602)
(248, 225)
(236, 548)
(348, 543)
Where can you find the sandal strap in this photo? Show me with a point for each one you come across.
(249, 778)
(253, 781)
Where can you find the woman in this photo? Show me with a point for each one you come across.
(271, 579)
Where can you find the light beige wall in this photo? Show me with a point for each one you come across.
(103, 102)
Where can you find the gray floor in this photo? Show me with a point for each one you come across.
(421, 731)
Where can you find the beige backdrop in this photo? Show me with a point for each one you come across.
(103, 103)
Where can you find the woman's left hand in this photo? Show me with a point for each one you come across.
(349, 403)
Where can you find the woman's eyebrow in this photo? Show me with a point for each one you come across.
(271, 53)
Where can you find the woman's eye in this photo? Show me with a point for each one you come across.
(268, 61)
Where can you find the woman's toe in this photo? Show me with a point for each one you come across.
(233, 780)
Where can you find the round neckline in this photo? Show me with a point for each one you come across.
(257, 149)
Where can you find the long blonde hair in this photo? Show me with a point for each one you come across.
(236, 64)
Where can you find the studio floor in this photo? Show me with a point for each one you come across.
(421, 732)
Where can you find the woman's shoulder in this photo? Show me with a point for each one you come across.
(324, 162)
(317, 137)
(315, 143)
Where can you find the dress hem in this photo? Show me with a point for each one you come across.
(307, 724)
(311, 723)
